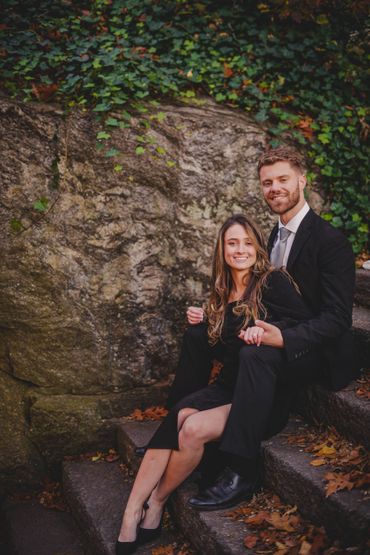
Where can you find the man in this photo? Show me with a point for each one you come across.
(320, 260)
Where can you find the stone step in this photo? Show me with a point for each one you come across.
(35, 530)
(362, 289)
(342, 514)
(288, 472)
(344, 410)
(96, 493)
(361, 332)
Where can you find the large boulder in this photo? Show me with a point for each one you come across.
(93, 289)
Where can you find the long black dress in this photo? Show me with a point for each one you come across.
(284, 306)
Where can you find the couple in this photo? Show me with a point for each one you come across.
(271, 339)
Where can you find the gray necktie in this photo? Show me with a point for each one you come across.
(278, 257)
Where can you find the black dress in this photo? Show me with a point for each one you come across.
(277, 287)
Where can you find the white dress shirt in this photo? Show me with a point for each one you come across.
(292, 226)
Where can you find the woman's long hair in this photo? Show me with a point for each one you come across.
(250, 306)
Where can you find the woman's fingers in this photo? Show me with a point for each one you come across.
(252, 335)
(194, 315)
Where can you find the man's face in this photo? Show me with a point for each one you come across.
(282, 188)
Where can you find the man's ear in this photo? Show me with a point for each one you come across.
(302, 180)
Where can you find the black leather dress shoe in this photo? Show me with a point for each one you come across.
(230, 488)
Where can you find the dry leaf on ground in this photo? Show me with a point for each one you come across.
(151, 413)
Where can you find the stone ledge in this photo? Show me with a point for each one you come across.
(288, 472)
(349, 414)
(97, 493)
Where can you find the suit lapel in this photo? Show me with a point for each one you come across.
(303, 233)
(272, 237)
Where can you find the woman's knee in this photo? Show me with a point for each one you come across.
(191, 434)
(183, 414)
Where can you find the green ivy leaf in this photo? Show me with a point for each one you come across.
(113, 122)
(139, 150)
(41, 204)
(16, 225)
(112, 152)
(103, 135)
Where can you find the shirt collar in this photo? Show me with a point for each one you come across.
(295, 222)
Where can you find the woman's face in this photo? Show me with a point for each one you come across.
(239, 250)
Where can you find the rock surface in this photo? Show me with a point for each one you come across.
(93, 289)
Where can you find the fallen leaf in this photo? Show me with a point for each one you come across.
(327, 451)
(151, 413)
(336, 482)
(250, 541)
(258, 519)
(286, 523)
(318, 462)
(305, 548)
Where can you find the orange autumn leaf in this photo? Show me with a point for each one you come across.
(327, 451)
(305, 549)
(151, 413)
(43, 92)
(250, 541)
(337, 481)
(257, 519)
(304, 125)
(228, 72)
(318, 462)
(163, 550)
(285, 522)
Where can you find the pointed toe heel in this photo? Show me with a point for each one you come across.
(126, 548)
(147, 535)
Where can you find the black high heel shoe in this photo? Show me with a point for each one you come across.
(146, 535)
(126, 548)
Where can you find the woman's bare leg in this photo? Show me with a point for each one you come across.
(197, 429)
(151, 470)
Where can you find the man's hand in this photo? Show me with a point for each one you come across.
(252, 335)
(271, 336)
(194, 315)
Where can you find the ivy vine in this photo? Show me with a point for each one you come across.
(299, 67)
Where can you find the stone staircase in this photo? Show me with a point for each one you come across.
(96, 492)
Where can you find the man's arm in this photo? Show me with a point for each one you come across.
(337, 277)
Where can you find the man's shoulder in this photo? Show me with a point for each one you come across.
(323, 228)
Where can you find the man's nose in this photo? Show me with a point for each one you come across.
(275, 185)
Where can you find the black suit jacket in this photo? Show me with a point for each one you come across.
(321, 262)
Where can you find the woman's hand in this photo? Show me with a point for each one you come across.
(194, 315)
(252, 335)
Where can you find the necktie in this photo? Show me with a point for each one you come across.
(277, 259)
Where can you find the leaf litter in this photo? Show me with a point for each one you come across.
(276, 528)
(348, 464)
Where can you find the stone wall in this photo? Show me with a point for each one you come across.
(93, 291)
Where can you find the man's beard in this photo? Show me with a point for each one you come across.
(287, 202)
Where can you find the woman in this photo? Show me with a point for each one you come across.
(244, 287)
